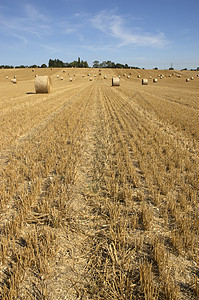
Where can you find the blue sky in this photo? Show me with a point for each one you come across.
(143, 33)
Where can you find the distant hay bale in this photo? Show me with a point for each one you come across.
(88, 74)
(15, 76)
(62, 78)
(36, 75)
(64, 71)
(197, 75)
(115, 81)
(105, 77)
(71, 79)
(138, 76)
(145, 81)
(150, 77)
(192, 78)
(14, 80)
(161, 77)
(90, 78)
(155, 80)
(100, 73)
(94, 75)
(170, 75)
(6, 77)
(33, 70)
(57, 76)
(43, 84)
(124, 74)
(83, 75)
(187, 79)
(119, 76)
(128, 77)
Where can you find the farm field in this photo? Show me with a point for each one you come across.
(99, 185)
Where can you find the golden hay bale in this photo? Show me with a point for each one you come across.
(15, 76)
(155, 80)
(105, 77)
(115, 81)
(6, 77)
(192, 78)
(14, 80)
(61, 78)
(128, 77)
(119, 76)
(71, 79)
(187, 80)
(150, 77)
(91, 79)
(144, 81)
(138, 76)
(43, 84)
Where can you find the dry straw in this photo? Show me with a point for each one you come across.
(144, 81)
(115, 81)
(43, 84)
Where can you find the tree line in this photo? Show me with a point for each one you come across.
(110, 64)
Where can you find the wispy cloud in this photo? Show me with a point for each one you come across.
(114, 26)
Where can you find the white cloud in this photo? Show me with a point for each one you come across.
(113, 25)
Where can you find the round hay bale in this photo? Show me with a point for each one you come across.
(187, 79)
(57, 76)
(64, 71)
(43, 84)
(90, 78)
(71, 79)
(33, 70)
(138, 76)
(119, 76)
(161, 77)
(124, 74)
(15, 76)
(6, 77)
(62, 78)
(144, 81)
(192, 78)
(197, 75)
(14, 80)
(155, 80)
(128, 77)
(88, 74)
(83, 75)
(105, 77)
(94, 75)
(115, 81)
(150, 77)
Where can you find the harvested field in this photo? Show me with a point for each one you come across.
(99, 186)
